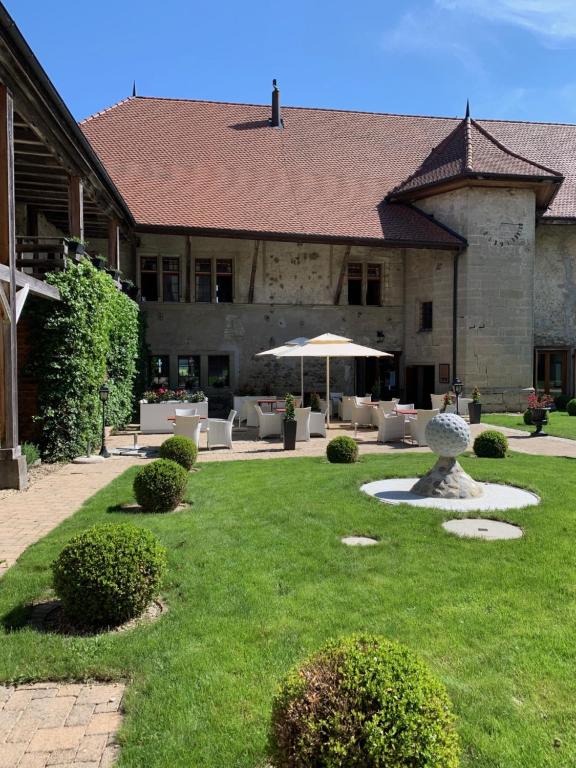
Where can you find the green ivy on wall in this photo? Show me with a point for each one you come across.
(91, 334)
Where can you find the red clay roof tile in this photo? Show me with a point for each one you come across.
(219, 166)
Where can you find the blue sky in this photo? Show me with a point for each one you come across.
(513, 58)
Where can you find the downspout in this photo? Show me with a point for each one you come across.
(455, 316)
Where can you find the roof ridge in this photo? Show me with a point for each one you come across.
(486, 133)
(107, 109)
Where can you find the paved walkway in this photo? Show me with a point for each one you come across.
(60, 725)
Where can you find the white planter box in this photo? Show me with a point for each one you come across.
(154, 416)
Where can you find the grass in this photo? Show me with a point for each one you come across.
(560, 424)
(258, 579)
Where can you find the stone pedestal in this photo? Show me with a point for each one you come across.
(13, 471)
(447, 480)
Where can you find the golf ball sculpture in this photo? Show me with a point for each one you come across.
(448, 436)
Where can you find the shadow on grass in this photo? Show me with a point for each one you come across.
(17, 618)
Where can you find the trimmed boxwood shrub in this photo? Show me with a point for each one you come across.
(491, 445)
(160, 485)
(342, 450)
(561, 401)
(108, 574)
(180, 449)
(363, 701)
(571, 407)
(527, 417)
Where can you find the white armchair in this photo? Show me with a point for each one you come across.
(268, 423)
(387, 406)
(437, 401)
(404, 407)
(318, 423)
(463, 405)
(418, 425)
(186, 412)
(188, 426)
(345, 408)
(391, 427)
(220, 431)
(302, 423)
(361, 414)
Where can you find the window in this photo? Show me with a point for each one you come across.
(189, 372)
(224, 281)
(203, 269)
(171, 279)
(158, 371)
(149, 278)
(373, 281)
(426, 316)
(355, 283)
(218, 371)
(365, 284)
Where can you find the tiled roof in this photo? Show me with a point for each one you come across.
(468, 151)
(220, 167)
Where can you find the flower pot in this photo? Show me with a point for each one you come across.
(77, 248)
(539, 418)
(475, 412)
(290, 435)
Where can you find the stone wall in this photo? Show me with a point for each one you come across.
(495, 289)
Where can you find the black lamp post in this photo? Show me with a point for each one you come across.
(104, 392)
(457, 386)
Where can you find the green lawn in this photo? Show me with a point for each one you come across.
(258, 579)
(560, 424)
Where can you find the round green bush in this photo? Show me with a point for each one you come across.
(342, 450)
(108, 574)
(363, 701)
(561, 401)
(527, 417)
(571, 407)
(160, 486)
(180, 449)
(491, 445)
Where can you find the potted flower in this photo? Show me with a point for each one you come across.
(76, 245)
(539, 407)
(314, 403)
(290, 424)
(475, 407)
(99, 261)
(447, 401)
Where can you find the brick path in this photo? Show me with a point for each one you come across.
(60, 725)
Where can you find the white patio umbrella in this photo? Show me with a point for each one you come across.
(328, 345)
(282, 350)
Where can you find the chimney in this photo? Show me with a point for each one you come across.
(276, 121)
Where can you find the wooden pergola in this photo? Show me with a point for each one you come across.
(46, 167)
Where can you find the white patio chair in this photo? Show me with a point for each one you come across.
(318, 423)
(463, 405)
(250, 412)
(345, 408)
(186, 412)
(387, 406)
(362, 415)
(302, 423)
(220, 431)
(335, 398)
(188, 426)
(391, 427)
(404, 407)
(323, 405)
(418, 425)
(437, 401)
(269, 424)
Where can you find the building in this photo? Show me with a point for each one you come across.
(448, 242)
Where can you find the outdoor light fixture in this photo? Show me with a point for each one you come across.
(457, 386)
(104, 392)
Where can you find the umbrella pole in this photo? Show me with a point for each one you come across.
(302, 380)
(328, 392)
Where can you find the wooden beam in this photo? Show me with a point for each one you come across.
(76, 207)
(342, 275)
(253, 272)
(9, 447)
(37, 287)
(114, 243)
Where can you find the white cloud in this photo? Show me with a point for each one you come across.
(429, 33)
(555, 19)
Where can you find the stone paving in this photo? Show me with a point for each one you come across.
(62, 725)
